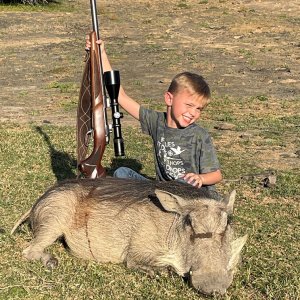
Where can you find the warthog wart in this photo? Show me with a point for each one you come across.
(145, 224)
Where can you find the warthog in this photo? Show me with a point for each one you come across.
(145, 224)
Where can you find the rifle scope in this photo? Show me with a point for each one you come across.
(112, 84)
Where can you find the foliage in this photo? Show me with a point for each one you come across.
(37, 5)
(27, 2)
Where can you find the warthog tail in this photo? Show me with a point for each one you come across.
(21, 220)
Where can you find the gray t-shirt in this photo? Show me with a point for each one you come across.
(178, 151)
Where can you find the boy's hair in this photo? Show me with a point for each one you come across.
(193, 82)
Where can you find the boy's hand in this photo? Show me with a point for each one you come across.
(198, 180)
(193, 179)
(88, 44)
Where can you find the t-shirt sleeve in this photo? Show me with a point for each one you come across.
(148, 120)
(208, 157)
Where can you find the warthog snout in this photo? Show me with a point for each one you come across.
(211, 283)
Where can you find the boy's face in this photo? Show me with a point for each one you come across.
(184, 108)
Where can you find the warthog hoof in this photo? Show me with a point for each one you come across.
(52, 263)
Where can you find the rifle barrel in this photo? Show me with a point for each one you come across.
(95, 18)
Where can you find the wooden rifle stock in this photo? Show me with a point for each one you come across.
(91, 166)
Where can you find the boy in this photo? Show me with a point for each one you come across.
(183, 150)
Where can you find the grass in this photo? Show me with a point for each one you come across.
(55, 6)
(33, 158)
(63, 87)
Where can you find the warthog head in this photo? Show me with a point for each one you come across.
(213, 272)
(211, 253)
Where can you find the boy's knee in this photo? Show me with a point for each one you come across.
(121, 172)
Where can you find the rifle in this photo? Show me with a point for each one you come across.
(92, 109)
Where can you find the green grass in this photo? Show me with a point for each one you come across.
(52, 6)
(33, 158)
(63, 87)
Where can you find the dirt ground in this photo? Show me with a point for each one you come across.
(244, 49)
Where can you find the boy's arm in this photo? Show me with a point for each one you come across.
(203, 179)
(131, 106)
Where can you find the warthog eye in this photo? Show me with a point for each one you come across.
(188, 221)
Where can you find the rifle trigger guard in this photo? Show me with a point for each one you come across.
(89, 132)
(87, 137)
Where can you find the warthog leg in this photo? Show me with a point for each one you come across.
(43, 238)
(131, 264)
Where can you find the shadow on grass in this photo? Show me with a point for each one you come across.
(64, 166)
(62, 163)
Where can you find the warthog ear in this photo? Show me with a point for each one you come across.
(229, 200)
(170, 202)
(236, 248)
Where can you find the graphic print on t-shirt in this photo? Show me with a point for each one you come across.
(169, 156)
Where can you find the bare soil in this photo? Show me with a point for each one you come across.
(244, 49)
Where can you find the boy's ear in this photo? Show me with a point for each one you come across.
(168, 98)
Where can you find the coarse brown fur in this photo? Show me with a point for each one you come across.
(145, 224)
